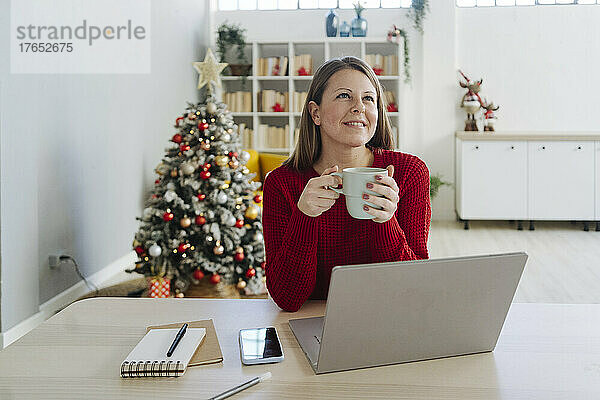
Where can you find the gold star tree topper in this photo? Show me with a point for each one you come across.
(209, 70)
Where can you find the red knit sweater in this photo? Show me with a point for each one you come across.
(301, 251)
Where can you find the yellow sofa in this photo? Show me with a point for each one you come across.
(262, 163)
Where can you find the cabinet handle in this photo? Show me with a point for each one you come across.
(512, 147)
(476, 147)
(578, 147)
(543, 147)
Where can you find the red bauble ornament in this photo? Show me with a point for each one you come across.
(233, 154)
(157, 181)
(250, 273)
(168, 216)
(239, 257)
(198, 274)
(378, 71)
(203, 126)
(200, 220)
(257, 198)
(239, 223)
(139, 250)
(205, 175)
(154, 196)
(277, 108)
(177, 138)
(206, 167)
(184, 147)
(201, 196)
(215, 278)
(392, 107)
(183, 247)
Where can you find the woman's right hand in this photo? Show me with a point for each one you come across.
(315, 198)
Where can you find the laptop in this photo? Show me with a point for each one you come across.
(398, 312)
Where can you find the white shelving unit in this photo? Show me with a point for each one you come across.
(320, 50)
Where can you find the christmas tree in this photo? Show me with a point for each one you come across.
(203, 214)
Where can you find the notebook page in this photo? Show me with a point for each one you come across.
(155, 344)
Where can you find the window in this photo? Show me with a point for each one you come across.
(501, 3)
(229, 5)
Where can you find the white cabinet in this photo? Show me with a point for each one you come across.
(561, 176)
(528, 176)
(494, 179)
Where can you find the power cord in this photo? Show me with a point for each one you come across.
(89, 284)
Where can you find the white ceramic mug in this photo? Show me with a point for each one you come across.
(354, 184)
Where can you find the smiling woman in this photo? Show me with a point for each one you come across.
(307, 230)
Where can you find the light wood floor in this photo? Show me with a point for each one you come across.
(563, 264)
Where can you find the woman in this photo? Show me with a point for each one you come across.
(307, 229)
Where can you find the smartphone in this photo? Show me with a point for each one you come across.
(260, 346)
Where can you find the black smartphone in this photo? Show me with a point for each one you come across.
(260, 346)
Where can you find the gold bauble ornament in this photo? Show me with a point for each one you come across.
(180, 295)
(185, 222)
(241, 285)
(173, 173)
(251, 212)
(205, 146)
(221, 161)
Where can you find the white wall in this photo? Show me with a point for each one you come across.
(78, 153)
(540, 64)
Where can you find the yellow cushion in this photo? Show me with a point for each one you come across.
(270, 161)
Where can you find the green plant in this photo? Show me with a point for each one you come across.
(358, 8)
(402, 33)
(417, 12)
(229, 35)
(435, 182)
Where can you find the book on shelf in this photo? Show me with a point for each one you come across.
(272, 137)
(247, 136)
(273, 66)
(238, 101)
(387, 65)
(389, 97)
(304, 62)
(267, 99)
(299, 99)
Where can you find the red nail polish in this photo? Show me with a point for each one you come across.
(369, 185)
(378, 177)
(366, 208)
(365, 196)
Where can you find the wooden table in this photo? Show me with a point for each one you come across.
(545, 352)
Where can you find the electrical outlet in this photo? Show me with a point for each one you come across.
(54, 259)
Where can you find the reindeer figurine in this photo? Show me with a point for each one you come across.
(471, 102)
(490, 117)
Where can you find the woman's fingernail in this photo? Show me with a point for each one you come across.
(378, 177)
(369, 185)
(365, 196)
(366, 208)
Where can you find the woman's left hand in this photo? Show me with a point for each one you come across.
(386, 186)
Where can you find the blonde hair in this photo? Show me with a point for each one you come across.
(308, 146)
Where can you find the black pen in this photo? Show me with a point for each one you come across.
(177, 339)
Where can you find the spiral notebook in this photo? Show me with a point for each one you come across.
(149, 357)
